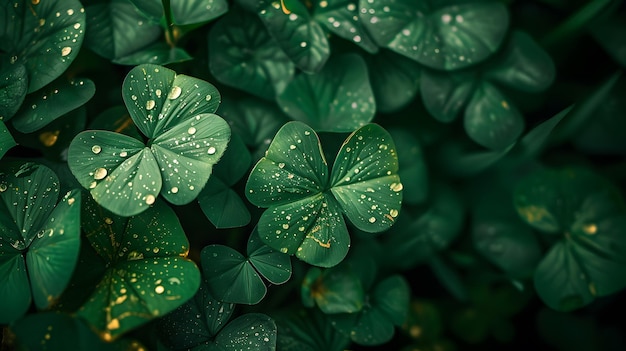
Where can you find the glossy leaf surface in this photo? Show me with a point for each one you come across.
(437, 34)
(195, 322)
(588, 215)
(118, 29)
(50, 103)
(43, 36)
(337, 99)
(13, 87)
(248, 57)
(218, 200)
(298, 34)
(234, 278)
(186, 140)
(146, 275)
(341, 17)
(40, 239)
(374, 324)
(304, 218)
(335, 290)
(395, 80)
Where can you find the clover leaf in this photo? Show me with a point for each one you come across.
(182, 12)
(444, 35)
(307, 205)
(308, 330)
(395, 80)
(374, 324)
(218, 200)
(588, 216)
(39, 238)
(6, 140)
(337, 99)
(118, 30)
(44, 36)
(13, 87)
(55, 100)
(490, 118)
(185, 140)
(248, 59)
(233, 278)
(334, 290)
(418, 238)
(255, 121)
(145, 272)
(202, 324)
(299, 35)
(341, 17)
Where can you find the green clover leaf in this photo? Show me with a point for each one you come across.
(39, 239)
(185, 140)
(233, 278)
(588, 215)
(44, 36)
(443, 35)
(202, 324)
(307, 205)
(145, 272)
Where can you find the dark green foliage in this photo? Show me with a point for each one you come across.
(312, 175)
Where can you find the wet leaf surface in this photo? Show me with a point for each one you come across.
(305, 214)
(44, 36)
(147, 274)
(39, 239)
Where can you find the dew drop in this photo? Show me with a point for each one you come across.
(96, 149)
(396, 187)
(123, 154)
(208, 98)
(174, 93)
(159, 289)
(108, 221)
(285, 226)
(150, 199)
(100, 173)
(191, 130)
(158, 93)
(393, 213)
(281, 165)
(150, 105)
(66, 51)
(292, 147)
(372, 219)
(174, 190)
(3, 188)
(306, 132)
(284, 250)
(212, 150)
(92, 185)
(133, 97)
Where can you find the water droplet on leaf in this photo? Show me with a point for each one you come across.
(100, 173)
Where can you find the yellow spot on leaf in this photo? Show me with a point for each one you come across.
(286, 11)
(113, 324)
(590, 229)
(48, 139)
(533, 213)
(592, 289)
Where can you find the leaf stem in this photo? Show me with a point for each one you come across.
(170, 34)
